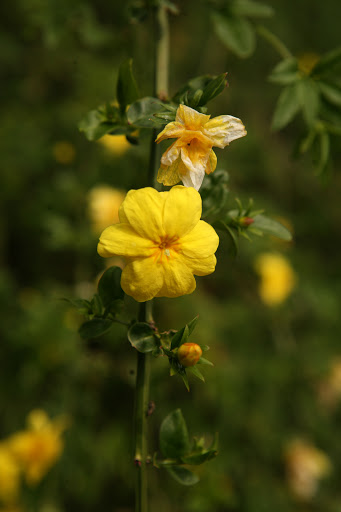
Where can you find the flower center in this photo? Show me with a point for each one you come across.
(165, 249)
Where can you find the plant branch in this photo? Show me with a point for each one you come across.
(274, 41)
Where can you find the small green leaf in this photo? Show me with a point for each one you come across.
(182, 335)
(309, 99)
(252, 9)
(94, 328)
(202, 360)
(126, 89)
(236, 33)
(174, 441)
(199, 458)
(95, 124)
(271, 227)
(109, 286)
(196, 372)
(97, 305)
(332, 92)
(327, 62)
(83, 306)
(183, 475)
(141, 112)
(142, 337)
(213, 89)
(286, 72)
(324, 149)
(288, 104)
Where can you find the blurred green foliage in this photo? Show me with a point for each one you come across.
(58, 61)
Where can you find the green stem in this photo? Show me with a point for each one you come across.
(145, 312)
(274, 41)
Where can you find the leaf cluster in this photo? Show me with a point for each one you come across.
(179, 452)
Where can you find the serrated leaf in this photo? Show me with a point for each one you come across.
(94, 328)
(288, 104)
(141, 112)
(252, 9)
(142, 337)
(286, 72)
(272, 227)
(109, 286)
(174, 440)
(327, 63)
(309, 99)
(236, 33)
(183, 475)
(126, 89)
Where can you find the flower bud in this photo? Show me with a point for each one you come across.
(189, 354)
(246, 221)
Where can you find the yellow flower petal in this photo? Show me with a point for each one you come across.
(182, 211)
(192, 119)
(212, 163)
(142, 279)
(177, 279)
(143, 209)
(201, 242)
(224, 129)
(171, 154)
(122, 240)
(202, 266)
(169, 175)
(171, 131)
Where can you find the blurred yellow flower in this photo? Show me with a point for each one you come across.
(305, 466)
(277, 278)
(307, 61)
(9, 475)
(191, 155)
(37, 448)
(103, 205)
(164, 242)
(64, 152)
(115, 144)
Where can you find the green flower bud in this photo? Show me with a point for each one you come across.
(189, 354)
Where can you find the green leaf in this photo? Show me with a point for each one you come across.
(213, 89)
(109, 286)
(252, 9)
(236, 33)
(142, 337)
(286, 72)
(323, 149)
(219, 224)
(202, 360)
(288, 105)
(126, 89)
(97, 305)
(199, 458)
(332, 92)
(174, 441)
(83, 306)
(309, 99)
(141, 112)
(196, 372)
(95, 124)
(271, 227)
(327, 62)
(183, 475)
(94, 328)
(181, 336)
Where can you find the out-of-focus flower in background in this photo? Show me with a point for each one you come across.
(38, 447)
(329, 389)
(277, 278)
(103, 205)
(306, 62)
(9, 475)
(306, 465)
(64, 152)
(115, 144)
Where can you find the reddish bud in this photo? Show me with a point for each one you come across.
(246, 221)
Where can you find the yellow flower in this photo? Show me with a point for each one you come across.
(115, 144)
(307, 62)
(64, 152)
(305, 465)
(37, 448)
(164, 242)
(103, 206)
(9, 475)
(277, 278)
(191, 155)
(189, 354)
